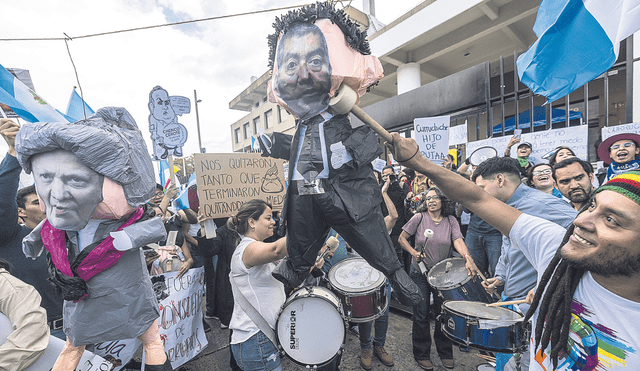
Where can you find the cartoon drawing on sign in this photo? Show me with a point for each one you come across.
(95, 194)
(330, 181)
(167, 134)
(271, 182)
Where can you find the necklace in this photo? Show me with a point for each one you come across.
(438, 221)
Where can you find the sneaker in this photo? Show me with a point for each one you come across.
(383, 356)
(365, 359)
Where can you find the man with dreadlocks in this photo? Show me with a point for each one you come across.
(315, 50)
(586, 307)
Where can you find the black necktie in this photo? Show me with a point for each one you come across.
(310, 160)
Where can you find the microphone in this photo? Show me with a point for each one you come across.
(428, 233)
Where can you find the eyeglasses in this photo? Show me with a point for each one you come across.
(432, 198)
(625, 145)
(542, 172)
(159, 193)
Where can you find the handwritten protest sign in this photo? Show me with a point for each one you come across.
(610, 131)
(228, 180)
(543, 142)
(181, 328)
(432, 136)
(458, 134)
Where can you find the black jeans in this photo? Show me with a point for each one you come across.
(421, 331)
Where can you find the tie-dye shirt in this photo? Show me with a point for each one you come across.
(605, 327)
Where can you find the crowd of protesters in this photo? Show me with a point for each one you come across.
(239, 259)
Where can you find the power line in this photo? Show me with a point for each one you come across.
(163, 25)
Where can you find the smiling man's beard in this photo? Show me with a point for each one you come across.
(608, 264)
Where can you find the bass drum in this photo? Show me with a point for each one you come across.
(453, 282)
(311, 327)
(475, 325)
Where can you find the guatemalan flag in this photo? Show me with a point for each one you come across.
(578, 40)
(25, 102)
(78, 109)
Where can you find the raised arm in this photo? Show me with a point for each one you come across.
(455, 187)
(258, 252)
(389, 220)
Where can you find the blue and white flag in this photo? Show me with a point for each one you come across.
(578, 40)
(182, 200)
(165, 176)
(25, 102)
(75, 108)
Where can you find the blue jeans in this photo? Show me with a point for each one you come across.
(381, 324)
(421, 330)
(257, 353)
(485, 250)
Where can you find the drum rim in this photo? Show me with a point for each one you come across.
(363, 291)
(467, 316)
(345, 323)
(512, 350)
(455, 285)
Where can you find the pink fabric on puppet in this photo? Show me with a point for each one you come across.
(347, 65)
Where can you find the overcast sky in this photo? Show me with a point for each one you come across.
(217, 58)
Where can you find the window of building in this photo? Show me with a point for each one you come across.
(257, 104)
(268, 119)
(247, 130)
(256, 124)
(237, 133)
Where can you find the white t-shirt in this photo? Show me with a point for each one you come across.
(264, 292)
(605, 328)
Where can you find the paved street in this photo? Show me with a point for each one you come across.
(216, 356)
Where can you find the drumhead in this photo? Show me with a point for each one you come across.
(310, 328)
(448, 274)
(485, 367)
(480, 310)
(355, 275)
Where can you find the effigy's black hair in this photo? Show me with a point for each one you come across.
(309, 14)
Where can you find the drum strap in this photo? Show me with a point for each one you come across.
(255, 316)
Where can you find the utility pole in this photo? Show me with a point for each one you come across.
(195, 96)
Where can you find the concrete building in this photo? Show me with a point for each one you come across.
(457, 58)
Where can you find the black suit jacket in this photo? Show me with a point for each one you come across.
(353, 181)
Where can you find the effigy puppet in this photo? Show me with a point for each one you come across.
(93, 177)
(314, 50)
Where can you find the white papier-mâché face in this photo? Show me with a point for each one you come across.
(69, 189)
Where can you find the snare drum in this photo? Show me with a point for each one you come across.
(311, 327)
(453, 282)
(361, 288)
(475, 325)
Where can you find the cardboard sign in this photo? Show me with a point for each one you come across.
(228, 180)
(610, 131)
(432, 136)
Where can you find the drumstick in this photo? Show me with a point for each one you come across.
(484, 279)
(502, 303)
